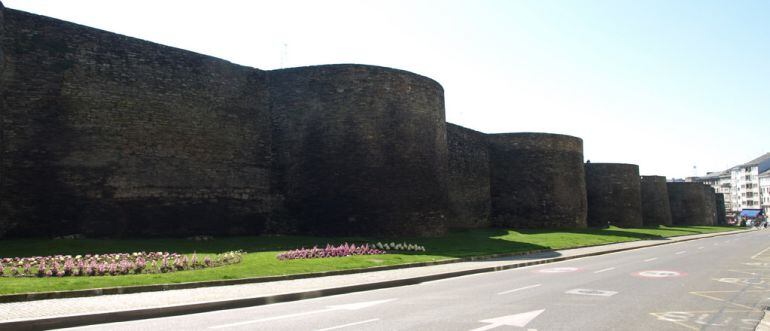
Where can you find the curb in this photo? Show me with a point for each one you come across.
(145, 313)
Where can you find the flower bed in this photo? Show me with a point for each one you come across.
(347, 250)
(111, 264)
(399, 247)
(329, 251)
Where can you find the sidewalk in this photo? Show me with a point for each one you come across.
(56, 313)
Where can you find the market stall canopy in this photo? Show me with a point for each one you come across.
(751, 213)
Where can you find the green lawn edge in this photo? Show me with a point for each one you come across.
(260, 260)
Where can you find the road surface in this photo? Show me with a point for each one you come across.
(720, 283)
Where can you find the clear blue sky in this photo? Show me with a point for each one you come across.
(663, 84)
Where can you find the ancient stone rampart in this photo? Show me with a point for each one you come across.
(469, 198)
(614, 194)
(655, 206)
(711, 204)
(537, 180)
(360, 149)
(721, 210)
(690, 205)
(106, 134)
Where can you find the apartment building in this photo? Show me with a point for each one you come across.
(745, 186)
(764, 189)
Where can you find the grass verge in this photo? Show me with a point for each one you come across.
(261, 258)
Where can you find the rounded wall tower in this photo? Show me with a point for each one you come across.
(655, 206)
(359, 150)
(721, 210)
(537, 180)
(614, 194)
(689, 205)
(108, 136)
(711, 204)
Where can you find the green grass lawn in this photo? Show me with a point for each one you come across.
(261, 258)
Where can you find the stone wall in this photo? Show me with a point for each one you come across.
(711, 204)
(109, 135)
(614, 194)
(655, 206)
(537, 180)
(360, 150)
(689, 205)
(721, 210)
(469, 198)
(106, 134)
(6, 222)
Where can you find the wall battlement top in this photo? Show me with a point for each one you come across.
(537, 141)
(352, 67)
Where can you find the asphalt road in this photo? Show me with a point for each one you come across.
(720, 283)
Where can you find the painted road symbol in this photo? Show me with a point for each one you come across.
(696, 320)
(521, 320)
(585, 291)
(659, 274)
(558, 270)
(741, 281)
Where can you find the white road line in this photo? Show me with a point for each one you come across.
(760, 253)
(680, 252)
(701, 247)
(585, 291)
(651, 259)
(270, 318)
(605, 269)
(350, 307)
(519, 289)
(349, 324)
(457, 278)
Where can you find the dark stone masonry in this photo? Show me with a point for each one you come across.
(711, 204)
(614, 194)
(690, 204)
(111, 136)
(360, 150)
(469, 198)
(537, 180)
(655, 206)
(721, 210)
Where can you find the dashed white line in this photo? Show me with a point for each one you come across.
(760, 253)
(701, 247)
(519, 289)
(680, 252)
(605, 269)
(651, 259)
(349, 324)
